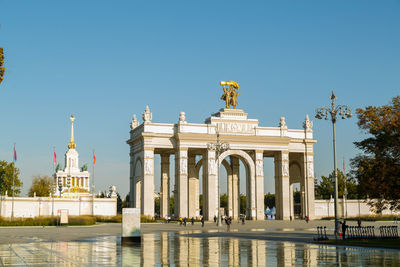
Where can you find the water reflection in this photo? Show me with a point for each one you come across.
(181, 249)
(168, 248)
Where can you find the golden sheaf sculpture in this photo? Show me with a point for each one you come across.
(230, 93)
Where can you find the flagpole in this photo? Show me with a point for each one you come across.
(345, 188)
(54, 183)
(12, 172)
(94, 162)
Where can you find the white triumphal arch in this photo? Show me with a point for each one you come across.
(292, 151)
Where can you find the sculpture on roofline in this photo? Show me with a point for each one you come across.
(230, 93)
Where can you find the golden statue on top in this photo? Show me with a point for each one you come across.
(71, 144)
(230, 93)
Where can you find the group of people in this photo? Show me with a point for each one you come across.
(183, 221)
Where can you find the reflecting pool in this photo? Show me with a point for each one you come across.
(180, 249)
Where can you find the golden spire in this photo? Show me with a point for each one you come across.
(71, 144)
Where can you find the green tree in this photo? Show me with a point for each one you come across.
(41, 185)
(7, 173)
(157, 205)
(224, 202)
(324, 189)
(378, 168)
(242, 204)
(172, 204)
(269, 200)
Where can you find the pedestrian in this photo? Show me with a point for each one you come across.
(202, 221)
(192, 220)
(180, 220)
(184, 221)
(242, 219)
(228, 224)
(307, 219)
(344, 227)
(359, 222)
(215, 218)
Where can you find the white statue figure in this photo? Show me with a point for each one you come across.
(134, 122)
(182, 118)
(147, 116)
(282, 123)
(307, 124)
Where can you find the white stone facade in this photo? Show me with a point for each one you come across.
(250, 143)
(47, 206)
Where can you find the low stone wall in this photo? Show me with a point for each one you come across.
(353, 208)
(46, 206)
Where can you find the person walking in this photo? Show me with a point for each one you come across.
(344, 227)
(184, 221)
(215, 218)
(192, 221)
(242, 220)
(202, 221)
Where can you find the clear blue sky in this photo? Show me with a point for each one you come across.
(103, 61)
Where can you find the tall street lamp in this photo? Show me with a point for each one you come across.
(219, 148)
(324, 112)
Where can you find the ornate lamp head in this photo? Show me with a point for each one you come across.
(1, 64)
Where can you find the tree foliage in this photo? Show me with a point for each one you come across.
(325, 188)
(378, 168)
(7, 173)
(269, 200)
(41, 185)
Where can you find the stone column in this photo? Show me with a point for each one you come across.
(181, 182)
(210, 172)
(229, 184)
(309, 185)
(147, 197)
(164, 194)
(138, 195)
(235, 188)
(282, 185)
(291, 201)
(259, 187)
(194, 205)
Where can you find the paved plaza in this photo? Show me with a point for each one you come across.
(256, 242)
(286, 230)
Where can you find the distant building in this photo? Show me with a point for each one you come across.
(72, 181)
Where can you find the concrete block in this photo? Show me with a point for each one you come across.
(130, 225)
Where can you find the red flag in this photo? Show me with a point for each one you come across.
(344, 170)
(15, 154)
(94, 159)
(55, 158)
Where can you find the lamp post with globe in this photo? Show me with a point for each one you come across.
(323, 113)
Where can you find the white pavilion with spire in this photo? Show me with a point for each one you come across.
(72, 181)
